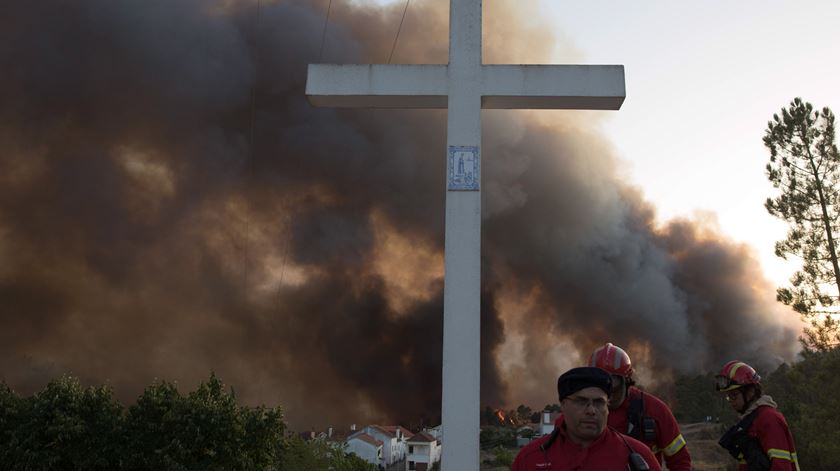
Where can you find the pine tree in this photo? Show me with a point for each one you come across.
(805, 166)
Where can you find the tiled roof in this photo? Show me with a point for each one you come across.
(422, 437)
(392, 429)
(367, 438)
(384, 430)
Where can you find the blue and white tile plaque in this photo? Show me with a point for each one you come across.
(463, 168)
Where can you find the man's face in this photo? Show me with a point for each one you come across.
(736, 400)
(585, 415)
(619, 391)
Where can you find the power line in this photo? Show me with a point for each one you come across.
(324, 33)
(250, 162)
(398, 31)
(254, 87)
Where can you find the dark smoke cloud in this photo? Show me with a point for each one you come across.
(143, 234)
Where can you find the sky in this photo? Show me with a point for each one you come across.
(703, 79)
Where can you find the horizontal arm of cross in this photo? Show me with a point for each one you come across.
(598, 87)
(377, 86)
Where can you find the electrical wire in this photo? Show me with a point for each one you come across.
(251, 160)
(324, 33)
(398, 31)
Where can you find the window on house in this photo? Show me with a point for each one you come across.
(411, 448)
(411, 466)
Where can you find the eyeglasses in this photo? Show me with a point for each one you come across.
(733, 395)
(585, 402)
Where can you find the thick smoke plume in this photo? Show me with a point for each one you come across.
(149, 230)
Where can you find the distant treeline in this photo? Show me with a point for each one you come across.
(67, 426)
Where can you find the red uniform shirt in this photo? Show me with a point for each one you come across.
(771, 429)
(609, 452)
(669, 441)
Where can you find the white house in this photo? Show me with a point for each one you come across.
(365, 447)
(393, 439)
(547, 424)
(423, 452)
(436, 431)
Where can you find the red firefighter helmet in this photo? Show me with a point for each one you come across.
(734, 375)
(612, 359)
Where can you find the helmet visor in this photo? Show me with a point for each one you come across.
(725, 383)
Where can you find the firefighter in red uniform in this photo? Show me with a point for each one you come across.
(761, 441)
(638, 414)
(581, 440)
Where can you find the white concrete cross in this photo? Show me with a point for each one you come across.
(464, 86)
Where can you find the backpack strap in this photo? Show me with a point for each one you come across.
(547, 444)
(635, 462)
(635, 412)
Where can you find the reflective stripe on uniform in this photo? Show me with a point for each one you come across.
(675, 446)
(783, 455)
(779, 454)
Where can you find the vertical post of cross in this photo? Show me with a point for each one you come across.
(462, 283)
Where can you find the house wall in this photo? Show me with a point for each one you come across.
(547, 425)
(392, 449)
(436, 451)
(422, 453)
(425, 453)
(364, 450)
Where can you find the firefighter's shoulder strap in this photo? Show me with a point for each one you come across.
(635, 462)
(640, 426)
(742, 446)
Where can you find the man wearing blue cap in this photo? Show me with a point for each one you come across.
(581, 440)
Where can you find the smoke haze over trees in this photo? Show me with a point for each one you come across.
(144, 234)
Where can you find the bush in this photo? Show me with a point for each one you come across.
(321, 455)
(492, 437)
(504, 456)
(66, 426)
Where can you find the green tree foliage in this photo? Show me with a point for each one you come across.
(9, 415)
(320, 455)
(303, 456)
(492, 437)
(343, 461)
(695, 399)
(523, 414)
(807, 395)
(504, 456)
(552, 408)
(204, 430)
(66, 426)
(805, 166)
